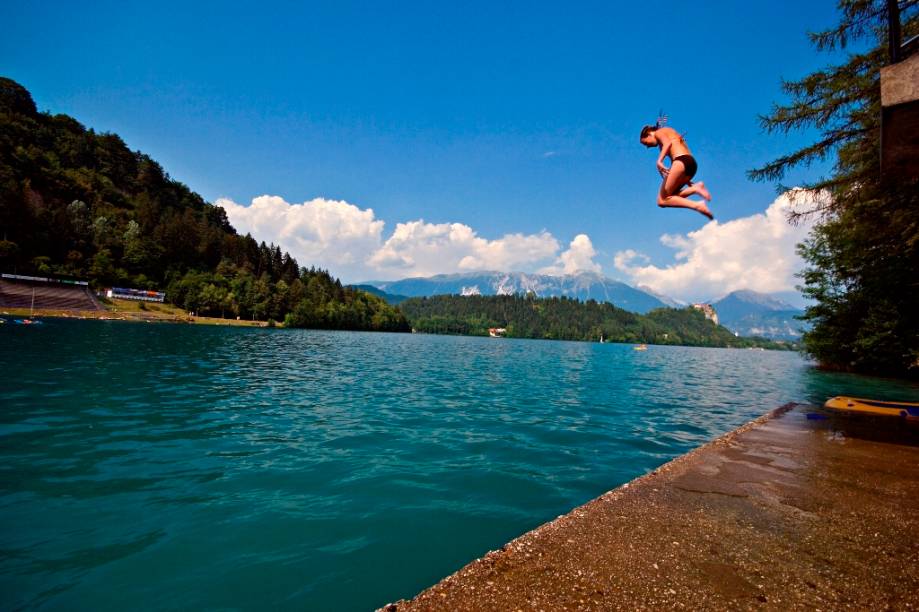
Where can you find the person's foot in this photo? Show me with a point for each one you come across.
(700, 187)
(702, 208)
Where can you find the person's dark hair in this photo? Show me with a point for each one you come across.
(647, 130)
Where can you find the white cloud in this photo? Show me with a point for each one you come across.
(330, 234)
(755, 252)
(578, 258)
(350, 242)
(418, 248)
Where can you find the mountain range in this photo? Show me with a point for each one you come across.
(393, 299)
(583, 286)
(749, 313)
(744, 312)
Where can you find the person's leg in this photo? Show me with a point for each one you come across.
(697, 188)
(676, 178)
(678, 202)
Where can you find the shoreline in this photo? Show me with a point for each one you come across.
(148, 316)
(136, 316)
(785, 349)
(778, 513)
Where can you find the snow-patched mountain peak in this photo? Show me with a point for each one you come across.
(583, 286)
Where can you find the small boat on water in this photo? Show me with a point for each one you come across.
(640, 347)
(28, 322)
(842, 403)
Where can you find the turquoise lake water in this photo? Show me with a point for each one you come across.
(191, 467)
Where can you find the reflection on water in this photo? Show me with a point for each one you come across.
(189, 467)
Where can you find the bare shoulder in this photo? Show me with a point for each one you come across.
(667, 133)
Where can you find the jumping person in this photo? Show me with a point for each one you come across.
(682, 169)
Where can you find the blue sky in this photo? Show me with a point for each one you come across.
(513, 119)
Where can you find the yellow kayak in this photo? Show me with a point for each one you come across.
(906, 410)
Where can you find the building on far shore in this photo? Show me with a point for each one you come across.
(142, 295)
(497, 332)
(709, 311)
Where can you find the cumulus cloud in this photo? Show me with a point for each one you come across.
(350, 241)
(578, 258)
(327, 233)
(755, 252)
(423, 249)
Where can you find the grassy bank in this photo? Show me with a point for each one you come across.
(130, 310)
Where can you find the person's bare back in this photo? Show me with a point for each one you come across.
(677, 185)
(677, 146)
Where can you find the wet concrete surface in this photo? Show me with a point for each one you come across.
(799, 509)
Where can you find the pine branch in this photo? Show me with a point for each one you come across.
(821, 97)
(859, 16)
(825, 202)
(819, 150)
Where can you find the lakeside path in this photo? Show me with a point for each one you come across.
(171, 315)
(786, 512)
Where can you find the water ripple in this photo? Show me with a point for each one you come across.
(197, 467)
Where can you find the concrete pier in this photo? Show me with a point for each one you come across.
(796, 510)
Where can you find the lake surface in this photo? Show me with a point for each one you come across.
(189, 467)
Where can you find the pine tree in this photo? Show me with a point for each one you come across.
(862, 257)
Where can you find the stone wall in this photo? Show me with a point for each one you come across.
(900, 119)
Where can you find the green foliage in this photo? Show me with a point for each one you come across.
(97, 210)
(862, 277)
(561, 318)
(14, 98)
(80, 204)
(863, 254)
(328, 305)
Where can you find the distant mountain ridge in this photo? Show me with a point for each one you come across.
(753, 300)
(666, 299)
(750, 313)
(394, 300)
(745, 312)
(583, 286)
(563, 319)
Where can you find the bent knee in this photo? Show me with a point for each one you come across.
(661, 201)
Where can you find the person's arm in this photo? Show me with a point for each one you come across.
(665, 149)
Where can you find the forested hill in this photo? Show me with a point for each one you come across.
(568, 319)
(76, 203)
